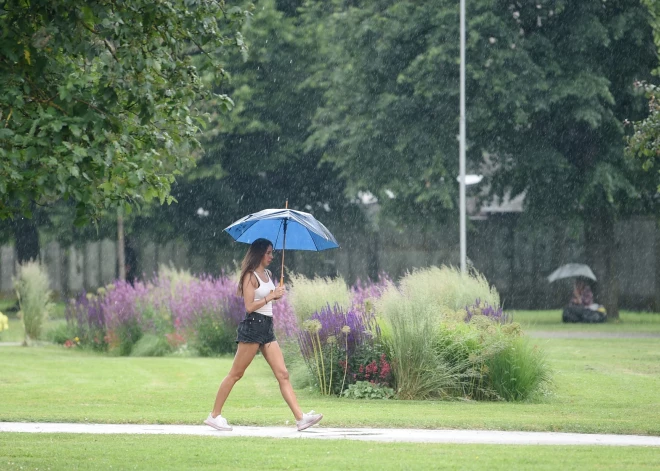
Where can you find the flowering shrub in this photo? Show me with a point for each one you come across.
(377, 371)
(85, 322)
(480, 308)
(365, 293)
(339, 346)
(175, 307)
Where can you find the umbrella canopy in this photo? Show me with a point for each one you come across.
(285, 228)
(570, 270)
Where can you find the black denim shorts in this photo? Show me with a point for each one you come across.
(256, 328)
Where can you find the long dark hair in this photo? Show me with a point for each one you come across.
(252, 259)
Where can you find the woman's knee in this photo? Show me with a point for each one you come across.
(235, 375)
(282, 375)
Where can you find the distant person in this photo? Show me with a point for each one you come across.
(583, 296)
(576, 298)
(587, 296)
(255, 333)
(582, 307)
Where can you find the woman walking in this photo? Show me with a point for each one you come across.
(255, 333)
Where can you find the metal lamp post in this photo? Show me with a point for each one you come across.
(462, 146)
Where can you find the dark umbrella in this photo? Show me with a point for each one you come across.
(286, 229)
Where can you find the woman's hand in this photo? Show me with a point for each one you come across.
(278, 292)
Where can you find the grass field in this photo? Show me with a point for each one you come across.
(642, 322)
(601, 385)
(94, 452)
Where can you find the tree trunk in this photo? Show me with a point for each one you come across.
(27, 239)
(600, 253)
(657, 268)
(121, 256)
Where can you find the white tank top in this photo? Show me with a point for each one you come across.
(262, 291)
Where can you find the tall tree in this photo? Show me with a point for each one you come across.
(548, 85)
(644, 141)
(98, 99)
(255, 156)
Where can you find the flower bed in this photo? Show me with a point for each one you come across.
(173, 312)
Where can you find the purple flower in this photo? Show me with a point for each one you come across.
(364, 292)
(494, 313)
(362, 326)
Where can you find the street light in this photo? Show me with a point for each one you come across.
(462, 145)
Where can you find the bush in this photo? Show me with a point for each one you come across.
(150, 345)
(518, 371)
(308, 296)
(467, 347)
(448, 336)
(335, 343)
(60, 334)
(367, 390)
(122, 339)
(447, 290)
(33, 291)
(86, 320)
(213, 336)
(408, 324)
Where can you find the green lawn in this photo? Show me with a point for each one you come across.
(600, 385)
(642, 322)
(93, 452)
(15, 333)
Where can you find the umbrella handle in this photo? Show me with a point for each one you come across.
(286, 206)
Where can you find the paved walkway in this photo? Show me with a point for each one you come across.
(362, 434)
(549, 334)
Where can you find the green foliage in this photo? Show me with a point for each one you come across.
(32, 288)
(212, 336)
(124, 337)
(419, 371)
(545, 109)
(518, 371)
(60, 333)
(493, 361)
(367, 390)
(308, 296)
(436, 353)
(446, 290)
(643, 144)
(151, 345)
(98, 100)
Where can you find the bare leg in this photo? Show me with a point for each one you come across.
(244, 356)
(273, 355)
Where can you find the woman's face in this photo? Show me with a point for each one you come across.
(268, 256)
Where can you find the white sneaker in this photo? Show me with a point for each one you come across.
(218, 423)
(309, 419)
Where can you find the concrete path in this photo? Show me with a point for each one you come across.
(548, 334)
(362, 434)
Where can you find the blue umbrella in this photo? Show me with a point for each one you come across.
(286, 229)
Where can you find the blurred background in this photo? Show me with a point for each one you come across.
(350, 110)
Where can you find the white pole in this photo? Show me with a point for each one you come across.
(462, 144)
